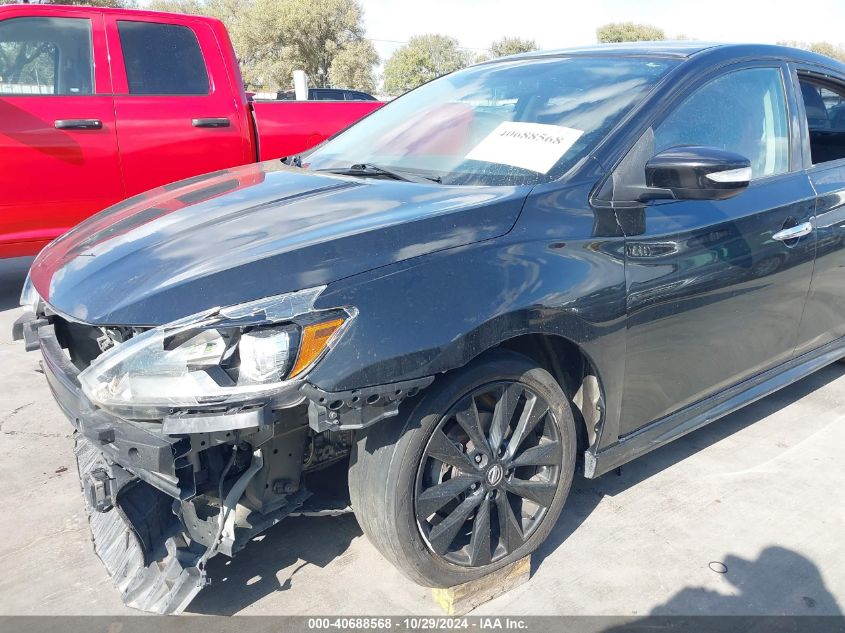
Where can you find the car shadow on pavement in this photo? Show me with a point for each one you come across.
(780, 579)
(587, 493)
(270, 562)
(780, 582)
(12, 275)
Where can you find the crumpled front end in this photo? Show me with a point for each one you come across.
(164, 495)
(159, 505)
(137, 536)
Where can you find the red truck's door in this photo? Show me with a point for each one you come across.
(57, 129)
(177, 113)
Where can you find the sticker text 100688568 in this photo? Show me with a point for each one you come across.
(534, 146)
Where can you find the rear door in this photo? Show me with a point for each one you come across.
(822, 94)
(177, 114)
(58, 146)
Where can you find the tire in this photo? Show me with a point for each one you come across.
(397, 466)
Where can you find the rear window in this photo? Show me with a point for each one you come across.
(358, 96)
(162, 59)
(326, 95)
(46, 56)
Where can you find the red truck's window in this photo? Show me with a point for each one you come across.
(46, 56)
(162, 59)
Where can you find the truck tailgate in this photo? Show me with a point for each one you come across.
(286, 128)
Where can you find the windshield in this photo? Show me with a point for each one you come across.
(505, 123)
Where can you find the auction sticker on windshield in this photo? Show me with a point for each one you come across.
(534, 146)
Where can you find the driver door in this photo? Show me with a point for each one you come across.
(713, 297)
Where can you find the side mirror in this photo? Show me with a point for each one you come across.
(694, 172)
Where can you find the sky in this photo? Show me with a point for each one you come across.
(560, 23)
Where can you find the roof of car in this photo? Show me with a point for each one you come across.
(669, 49)
(688, 48)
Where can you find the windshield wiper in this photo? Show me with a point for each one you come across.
(293, 161)
(368, 169)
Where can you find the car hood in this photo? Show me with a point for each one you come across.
(252, 232)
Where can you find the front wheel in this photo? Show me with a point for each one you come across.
(474, 474)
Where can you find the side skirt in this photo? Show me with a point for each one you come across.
(671, 427)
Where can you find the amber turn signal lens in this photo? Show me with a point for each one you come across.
(314, 340)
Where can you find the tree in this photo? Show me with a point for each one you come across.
(273, 38)
(831, 50)
(308, 32)
(628, 32)
(193, 7)
(512, 46)
(423, 58)
(352, 67)
(124, 4)
(822, 48)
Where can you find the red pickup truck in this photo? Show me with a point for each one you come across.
(97, 105)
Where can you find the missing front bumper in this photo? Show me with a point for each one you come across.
(138, 537)
(151, 489)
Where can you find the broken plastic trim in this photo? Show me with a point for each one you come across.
(148, 559)
(358, 408)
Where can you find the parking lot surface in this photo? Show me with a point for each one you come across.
(762, 492)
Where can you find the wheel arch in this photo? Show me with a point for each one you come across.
(575, 372)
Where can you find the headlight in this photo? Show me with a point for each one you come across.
(29, 296)
(219, 357)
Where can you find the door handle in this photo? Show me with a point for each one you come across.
(211, 122)
(794, 232)
(78, 124)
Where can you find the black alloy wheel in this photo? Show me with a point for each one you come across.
(489, 474)
(471, 475)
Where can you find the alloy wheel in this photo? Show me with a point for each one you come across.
(488, 474)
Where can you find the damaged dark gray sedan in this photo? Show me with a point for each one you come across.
(554, 260)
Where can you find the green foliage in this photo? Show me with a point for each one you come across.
(422, 59)
(193, 7)
(119, 4)
(352, 66)
(628, 32)
(831, 50)
(822, 48)
(273, 38)
(512, 46)
(28, 63)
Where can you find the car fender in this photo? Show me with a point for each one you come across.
(579, 296)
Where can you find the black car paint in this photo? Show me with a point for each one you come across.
(434, 291)
(276, 229)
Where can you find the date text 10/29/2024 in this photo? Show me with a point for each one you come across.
(417, 623)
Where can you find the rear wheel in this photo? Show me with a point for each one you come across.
(474, 474)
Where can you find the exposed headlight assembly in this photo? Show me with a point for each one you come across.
(217, 358)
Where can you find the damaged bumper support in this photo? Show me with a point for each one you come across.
(138, 539)
(153, 488)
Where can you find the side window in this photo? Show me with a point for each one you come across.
(825, 109)
(354, 95)
(743, 112)
(162, 59)
(46, 56)
(328, 95)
